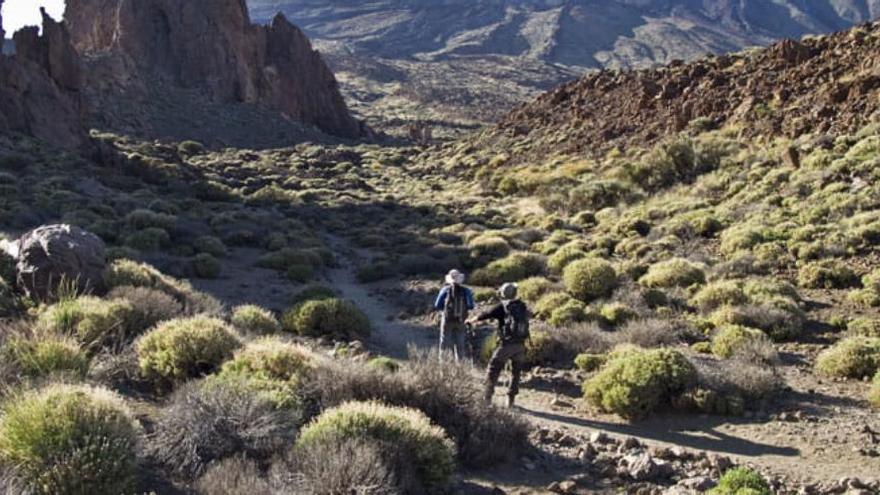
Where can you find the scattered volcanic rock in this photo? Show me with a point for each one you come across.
(209, 46)
(40, 86)
(52, 254)
(828, 84)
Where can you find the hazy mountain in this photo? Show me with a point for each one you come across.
(477, 58)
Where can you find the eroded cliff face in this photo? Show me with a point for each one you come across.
(40, 86)
(212, 47)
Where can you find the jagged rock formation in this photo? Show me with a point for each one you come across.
(828, 84)
(209, 47)
(40, 86)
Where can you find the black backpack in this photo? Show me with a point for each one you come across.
(516, 322)
(455, 307)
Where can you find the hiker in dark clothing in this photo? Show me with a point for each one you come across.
(455, 301)
(512, 316)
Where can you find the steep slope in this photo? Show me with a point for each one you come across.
(828, 84)
(208, 48)
(389, 53)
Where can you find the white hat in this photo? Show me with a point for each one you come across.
(454, 277)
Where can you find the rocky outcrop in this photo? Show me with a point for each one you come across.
(822, 85)
(212, 47)
(40, 86)
(54, 254)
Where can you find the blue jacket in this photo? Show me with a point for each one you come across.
(440, 303)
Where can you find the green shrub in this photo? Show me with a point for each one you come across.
(384, 363)
(271, 366)
(874, 394)
(590, 362)
(185, 348)
(864, 327)
(285, 258)
(409, 430)
(313, 293)
(731, 339)
(254, 319)
(781, 319)
(210, 245)
(589, 279)
(512, 268)
(206, 266)
(70, 439)
(124, 272)
(636, 383)
(149, 239)
(549, 302)
(144, 219)
(332, 318)
(300, 273)
(871, 281)
(853, 357)
(719, 293)
(617, 313)
(569, 312)
(42, 355)
(564, 256)
(488, 247)
(532, 288)
(149, 306)
(741, 481)
(762, 290)
(190, 148)
(677, 272)
(826, 274)
(92, 321)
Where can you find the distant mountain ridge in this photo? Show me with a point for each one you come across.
(546, 41)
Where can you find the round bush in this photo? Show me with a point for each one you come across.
(313, 293)
(513, 268)
(254, 319)
(564, 256)
(409, 430)
(569, 312)
(874, 394)
(42, 355)
(211, 245)
(827, 274)
(590, 362)
(741, 481)
(549, 302)
(677, 272)
(871, 281)
(149, 306)
(782, 319)
(185, 348)
(853, 357)
(272, 366)
(206, 266)
(864, 327)
(731, 339)
(589, 279)
(719, 293)
(214, 419)
(488, 247)
(70, 439)
(636, 383)
(532, 288)
(617, 313)
(384, 363)
(92, 321)
(332, 318)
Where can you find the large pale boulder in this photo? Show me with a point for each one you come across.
(51, 254)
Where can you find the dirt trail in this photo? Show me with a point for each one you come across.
(814, 449)
(390, 336)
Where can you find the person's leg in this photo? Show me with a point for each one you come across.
(517, 361)
(460, 335)
(444, 337)
(493, 371)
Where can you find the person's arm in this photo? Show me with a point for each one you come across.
(441, 299)
(496, 313)
(469, 299)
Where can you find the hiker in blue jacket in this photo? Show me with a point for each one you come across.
(455, 301)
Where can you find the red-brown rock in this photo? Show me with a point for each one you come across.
(211, 46)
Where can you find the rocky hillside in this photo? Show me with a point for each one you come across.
(417, 50)
(827, 85)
